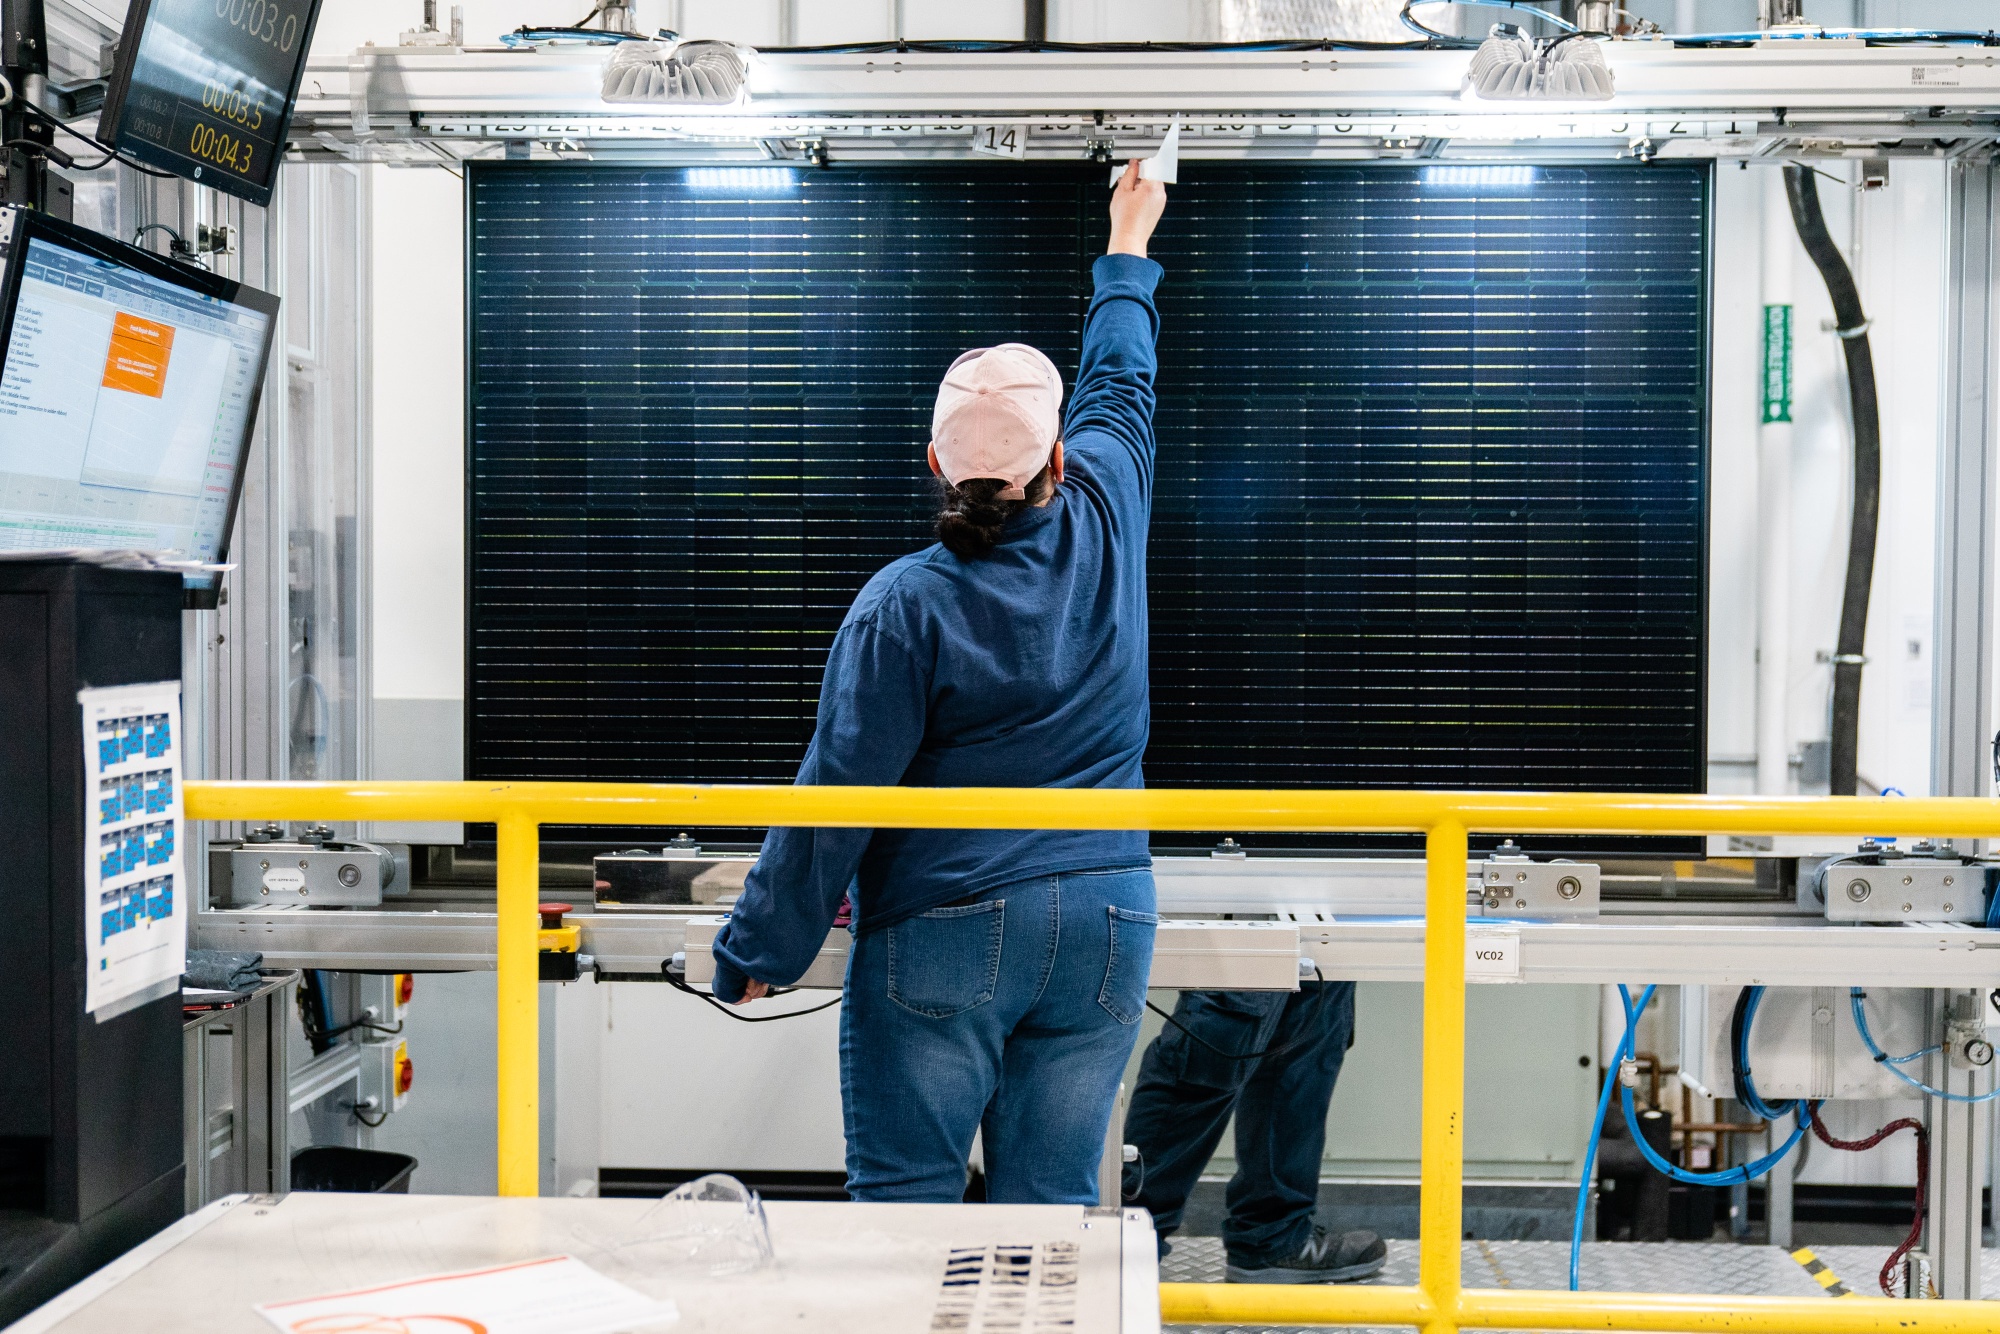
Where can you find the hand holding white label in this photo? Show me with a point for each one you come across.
(1163, 166)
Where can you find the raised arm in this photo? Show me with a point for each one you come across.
(1114, 381)
(871, 720)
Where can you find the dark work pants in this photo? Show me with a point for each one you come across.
(1187, 1093)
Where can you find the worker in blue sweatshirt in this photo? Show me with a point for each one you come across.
(997, 976)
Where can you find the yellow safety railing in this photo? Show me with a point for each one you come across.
(1439, 1303)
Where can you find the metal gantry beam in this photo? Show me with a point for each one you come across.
(1794, 952)
(411, 103)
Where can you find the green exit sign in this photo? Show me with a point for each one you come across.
(1777, 363)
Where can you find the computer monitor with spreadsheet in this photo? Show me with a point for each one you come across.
(128, 392)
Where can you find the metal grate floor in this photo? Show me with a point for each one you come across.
(1711, 1268)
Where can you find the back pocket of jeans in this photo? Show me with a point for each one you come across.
(1129, 964)
(946, 961)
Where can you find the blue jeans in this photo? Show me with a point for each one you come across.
(1014, 1014)
(1187, 1093)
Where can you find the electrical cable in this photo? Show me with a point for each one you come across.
(1562, 24)
(141, 232)
(1905, 1060)
(526, 36)
(1745, 1015)
(1615, 1074)
(110, 154)
(1728, 1176)
(1807, 1114)
(356, 1109)
(315, 1004)
(1923, 1181)
(998, 47)
(1870, 36)
(181, 252)
(678, 984)
(1865, 414)
(1589, 1166)
(49, 151)
(1855, 995)
(1303, 1040)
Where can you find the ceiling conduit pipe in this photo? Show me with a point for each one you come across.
(1852, 328)
(1774, 503)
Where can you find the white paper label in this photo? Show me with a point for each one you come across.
(557, 1295)
(134, 894)
(284, 880)
(1492, 955)
(1000, 140)
(1934, 76)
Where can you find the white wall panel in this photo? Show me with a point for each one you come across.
(684, 1087)
(1899, 264)
(1734, 405)
(418, 485)
(1902, 269)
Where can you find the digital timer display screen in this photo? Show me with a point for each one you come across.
(204, 88)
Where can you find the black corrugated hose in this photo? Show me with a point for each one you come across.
(1852, 327)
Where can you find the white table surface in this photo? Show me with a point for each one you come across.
(841, 1268)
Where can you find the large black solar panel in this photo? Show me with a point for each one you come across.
(1431, 496)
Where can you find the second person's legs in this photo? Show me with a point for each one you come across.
(1281, 1126)
(1187, 1088)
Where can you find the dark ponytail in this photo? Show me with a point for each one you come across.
(970, 515)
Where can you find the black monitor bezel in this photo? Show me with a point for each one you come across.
(30, 225)
(111, 116)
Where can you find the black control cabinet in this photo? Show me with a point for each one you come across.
(90, 1113)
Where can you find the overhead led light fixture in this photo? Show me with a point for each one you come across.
(678, 73)
(1500, 176)
(1511, 66)
(740, 180)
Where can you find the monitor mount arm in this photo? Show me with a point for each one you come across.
(24, 65)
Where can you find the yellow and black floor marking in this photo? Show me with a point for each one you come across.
(1821, 1275)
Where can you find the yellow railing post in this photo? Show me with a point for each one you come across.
(1440, 1203)
(518, 1016)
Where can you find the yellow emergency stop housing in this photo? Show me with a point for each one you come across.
(558, 944)
(402, 1077)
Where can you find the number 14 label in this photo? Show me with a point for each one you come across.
(1001, 140)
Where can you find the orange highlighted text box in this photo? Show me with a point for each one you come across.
(137, 362)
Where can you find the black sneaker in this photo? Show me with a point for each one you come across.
(1325, 1258)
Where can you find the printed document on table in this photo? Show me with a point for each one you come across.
(555, 1295)
(135, 908)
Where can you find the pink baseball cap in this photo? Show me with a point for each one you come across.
(998, 414)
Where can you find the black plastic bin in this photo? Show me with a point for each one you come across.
(358, 1171)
